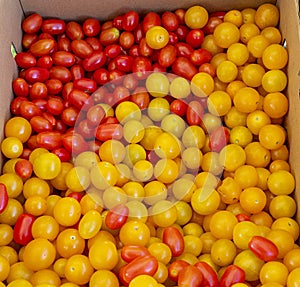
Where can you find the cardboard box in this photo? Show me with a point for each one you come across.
(13, 11)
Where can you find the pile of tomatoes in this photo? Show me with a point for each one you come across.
(149, 150)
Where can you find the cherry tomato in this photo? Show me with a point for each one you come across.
(174, 239)
(22, 229)
(74, 31)
(151, 19)
(141, 66)
(178, 107)
(45, 62)
(53, 26)
(194, 113)
(29, 110)
(91, 27)
(20, 87)
(131, 252)
(117, 216)
(25, 60)
(63, 58)
(60, 73)
(263, 248)
(232, 274)
(64, 44)
(147, 265)
(94, 43)
(75, 143)
(184, 67)
(81, 48)
(112, 51)
(36, 74)
(190, 276)
(169, 20)
(210, 277)
(101, 76)
(195, 37)
(94, 61)
(175, 267)
(42, 47)
(219, 137)
(28, 40)
(200, 56)
(126, 40)
(77, 72)
(109, 36)
(49, 139)
(109, 131)
(3, 197)
(130, 20)
(167, 56)
(55, 106)
(23, 168)
(40, 124)
(80, 99)
(212, 23)
(85, 84)
(32, 23)
(124, 63)
(69, 116)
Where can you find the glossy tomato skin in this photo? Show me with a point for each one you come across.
(91, 27)
(36, 74)
(42, 47)
(126, 40)
(131, 252)
(94, 43)
(183, 67)
(174, 239)
(243, 217)
(190, 276)
(109, 36)
(232, 274)
(178, 107)
(53, 26)
(74, 31)
(219, 137)
(74, 143)
(112, 51)
(210, 277)
(77, 72)
(130, 20)
(94, 61)
(175, 267)
(213, 22)
(81, 48)
(63, 58)
(108, 131)
(40, 124)
(124, 63)
(25, 60)
(141, 265)
(169, 20)
(86, 85)
(63, 44)
(32, 23)
(167, 56)
(140, 97)
(49, 139)
(38, 91)
(117, 216)
(60, 73)
(141, 66)
(22, 229)
(63, 154)
(20, 87)
(184, 49)
(3, 197)
(194, 113)
(29, 109)
(16, 104)
(54, 86)
(45, 61)
(151, 19)
(263, 248)
(80, 99)
(28, 40)
(200, 56)
(23, 168)
(195, 37)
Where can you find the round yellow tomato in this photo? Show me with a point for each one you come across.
(226, 34)
(47, 166)
(134, 233)
(18, 127)
(12, 147)
(157, 37)
(205, 200)
(196, 17)
(223, 252)
(104, 278)
(273, 271)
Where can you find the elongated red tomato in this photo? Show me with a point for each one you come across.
(141, 265)
(42, 47)
(63, 58)
(25, 60)
(117, 216)
(80, 99)
(23, 168)
(130, 252)
(74, 143)
(3, 197)
(232, 274)
(210, 277)
(94, 61)
(183, 67)
(194, 113)
(36, 74)
(109, 131)
(263, 248)
(53, 26)
(49, 139)
(175, 267)
(218, 138)
(22, 229)
(32, 23)
(190, 276)
(109, 36)
(81, 48)
(174, 239)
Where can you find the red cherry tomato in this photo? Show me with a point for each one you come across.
(141, 97)
(151, 19)
(190, 276)
(80, 99)
(55, 106)
(169, 20)
(209, 275)
(3, 197)
(112, 51)
(38, 91)
(69, 116)
(54, 86)
(109, 36)
(29, 109)
(101, 76)
(147, 265)
(232, 274)
(74, 31)
(141, 66)
(243, 217)
(63, 58)
(178, 107)
(22, 229)
(42, 47)
(81, 48)
(124, 63)
(54, 26)
(174, 239)
(91, 27)
(94, 61)
(200, 56)
(49, 139)
(194, 113)
(130, 21)
(212, 23)
(28, 40)
(74, 143)
(76, 195)
(117, 216)
(60, 73)
(77, 72)
(263, 248)
(62, 153)
(175, 267)
(108, 131)
(130, 252)
(40, 124)
(25, 60)
(36, 74)
(85, 84)
(23, 168)
(195, 37)
(32, 23)
(126, 40)
(20, 87)
(184, 49)
(167, 56)
(219, 137)
(64, 44)
(94, 43)
(184, 67)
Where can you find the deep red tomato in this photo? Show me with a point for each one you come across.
(80, 99)
(3, 197)
(95, 115)
(141, 97)
(195, 37)
(117, 21)
(190, 276)
(77, 72)
(209, 275)
(212, 23)
(194, 113)
(147, 265)
(32, 23)
(84, 129)
(22, 229)
(175, 267)
(55, 106)
(174, 239)
(36, 74)
(85, 84)
(184, 49)
(32, 143)
(38, 91)
(112, 51)
(167, 56)
(124, 63)
(49, 139)
(76, 195)
(219, 137)
(178, 107)
(183, 67)
(64, 44)
(109, 36)
(109, 131)
(29, 110)
(94, 61)
(23, 168)
(15, 105)
(180, 12)
(263, 248)
(138, 33)
(151, 19)
(40, 124)
(101, 76)
(144, 49)
(28, 40)
(42, 47)
(91, 27)
(45, 62)
(141, 66)
(208, 68)
(62, 153)
(81, 48)
(126, 40)
(53, 26)
(182, 32)
(130, 252)
(169, 20)
(173, 38)
(130, 20)
(60, 73)
(41, 104)
(54, 86)
(20, 87)
(94, 43)
(63, 58)
(232, 274)
(243, 217)
(74, 31)
(130, 82)
(25, 60)
(75, 143)
(117, 216)
(200, 56)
